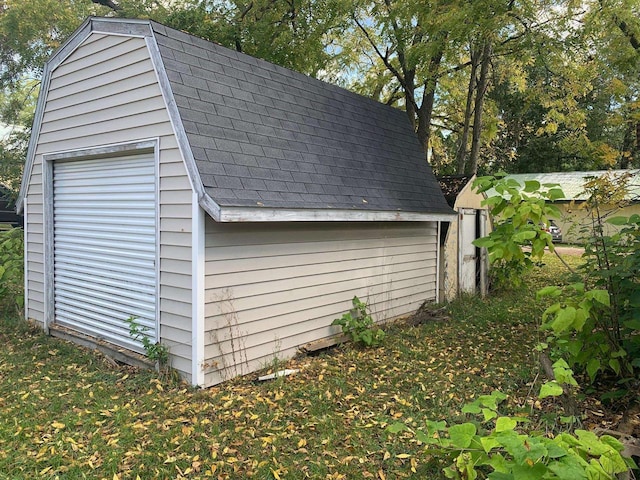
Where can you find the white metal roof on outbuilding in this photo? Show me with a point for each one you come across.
(572, 183)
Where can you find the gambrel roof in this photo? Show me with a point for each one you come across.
(264, 143)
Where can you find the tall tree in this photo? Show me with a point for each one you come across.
(426, 48)
(412, 40)
(296, 34)
(579, 107)
(29, 31)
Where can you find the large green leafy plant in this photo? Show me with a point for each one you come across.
(358, 324)
(519, 214)
(496, 447)
(593, 324)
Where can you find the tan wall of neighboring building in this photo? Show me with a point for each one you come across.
(449, 282)
(575, 218)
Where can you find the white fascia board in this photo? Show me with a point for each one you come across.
(35, 132)
(248, 214)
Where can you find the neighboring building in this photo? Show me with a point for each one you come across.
(574, 219)
(464, 267)
(8, 216)
(231, 206)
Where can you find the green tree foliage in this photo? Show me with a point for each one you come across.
(584, 325)
(577, 107)
(594, 321)
(518, 238)
(528, 85)
(296, 35)
(30, 30)
(11, 270)
(602, 316)
(521, 86)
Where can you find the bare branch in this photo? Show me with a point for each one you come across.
(386, 61)
(108, 3)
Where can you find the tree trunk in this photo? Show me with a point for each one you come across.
(629, 144)
(481, 90)
(425, 111)
(409, 99)
(461, 154)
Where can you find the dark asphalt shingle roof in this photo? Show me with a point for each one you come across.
(262, 135)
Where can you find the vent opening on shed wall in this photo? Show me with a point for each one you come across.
(104, 222)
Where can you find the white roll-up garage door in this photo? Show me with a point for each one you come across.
(104, 216)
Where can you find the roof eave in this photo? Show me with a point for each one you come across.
(263, 214)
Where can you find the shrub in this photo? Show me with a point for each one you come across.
(358, 324)
(12, 268)
(518, 212)
(495, 448)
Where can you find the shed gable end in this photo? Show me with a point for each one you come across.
(102, 96)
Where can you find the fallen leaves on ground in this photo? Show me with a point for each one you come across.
(65, 413)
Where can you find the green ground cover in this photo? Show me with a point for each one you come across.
(66, 412)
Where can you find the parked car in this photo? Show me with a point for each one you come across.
(8, 215)
(554, 230)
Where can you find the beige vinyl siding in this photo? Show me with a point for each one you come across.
(272, 288)
(34, 247)
(106, 92)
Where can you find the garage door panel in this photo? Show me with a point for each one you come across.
(99, 257)
(103, 249)
(97, 202)
(100, 328)
(105, 246)
(104, 236)
(90, 299)
(123, 273)
(138, 215)
(106, 289)
(112, 314)
(81, 278)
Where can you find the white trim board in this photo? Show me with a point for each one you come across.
(197, 291)
(248, 214)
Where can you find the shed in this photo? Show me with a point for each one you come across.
(574, 218)
(464, 267)
(231, 206)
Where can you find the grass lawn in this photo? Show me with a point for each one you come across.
(68, 413)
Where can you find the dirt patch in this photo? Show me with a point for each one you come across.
(569, 250)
